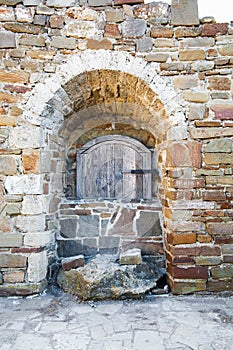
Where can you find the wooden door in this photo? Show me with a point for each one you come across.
(104, 169)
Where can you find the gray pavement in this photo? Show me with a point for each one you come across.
(156, 323)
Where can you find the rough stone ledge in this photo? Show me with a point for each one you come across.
(22, 289)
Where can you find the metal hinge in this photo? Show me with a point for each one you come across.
(141, 171)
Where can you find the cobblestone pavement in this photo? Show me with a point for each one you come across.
(155, 323)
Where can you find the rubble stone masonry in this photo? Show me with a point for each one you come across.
(77, 69)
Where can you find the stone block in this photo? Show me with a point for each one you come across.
(68, 227)
(184, 12)
(32, 205)
(24, 15)
(156, 57)
(199, 42)
(32, 40)
(131, 257)
(182, 238)
(39, 20)
(144, 45)
(23, 28)
(112, 31)
(72, 262)
(114, 15)
(60, 3)
(200, 250)
(223, 111)
(24, 184)
(220, 286)
(31, 2)
(32, 223)
(133, 28)
(104, 44)
(121, 2)
(23, 289)
(37, 267)
(196, 111)
(222, 145)
(38, 239)
(184, 32)
(82, 29)
(14, 276)
(31, 161)
(60, 42)
(211, 132)
(191, 55)
(207, 260)
(96, 3)
(185, 82)
(6, 14)
(109, 245)
(188, 287)
(68, 248)
(122, 224)
(198, 97)
(90, 247)
(218, 158)
(7, 40)
(12, 260)
(15, 76)
(219, 83)
(57, 21)
(8, 165)
(44, 10)
(161, 32)
(41, 55)
(148, 224)
(214, 29)
(25, 137)
(220, 228)
(9, 240)
(185, 153)
(5, 225)
(223, 271)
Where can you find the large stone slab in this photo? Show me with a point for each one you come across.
(184, 12)
(103, 278)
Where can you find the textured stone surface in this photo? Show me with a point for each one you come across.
(102, 278)
(184, 12)
(131, 257)
(72, 262)
(37, 267)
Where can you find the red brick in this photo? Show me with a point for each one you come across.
(26, 250)
(188, 183)
(196, 251)
(192, 272)
(223, 240)
(213, 196)
(177, 260)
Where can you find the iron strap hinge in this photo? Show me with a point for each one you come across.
(140, 171)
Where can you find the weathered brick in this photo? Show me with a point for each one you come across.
(182, 238)
(220, 228)
(208, 133)
(73, 262)
(12, 260)
(213, 29)
(201, 250)
(188, 183)
(213, 196)
(193, 272)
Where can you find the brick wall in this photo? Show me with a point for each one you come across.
(66, 71)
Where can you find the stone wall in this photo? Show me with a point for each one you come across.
(68, 73)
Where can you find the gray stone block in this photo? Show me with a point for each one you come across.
(148, 224)
(144, 45)
(184, 12)
(88, 226)
(133, 28)
(90, 246)
(68, 227)
(99, 2)
(67, 248)
(7, 40)
(109, 245)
